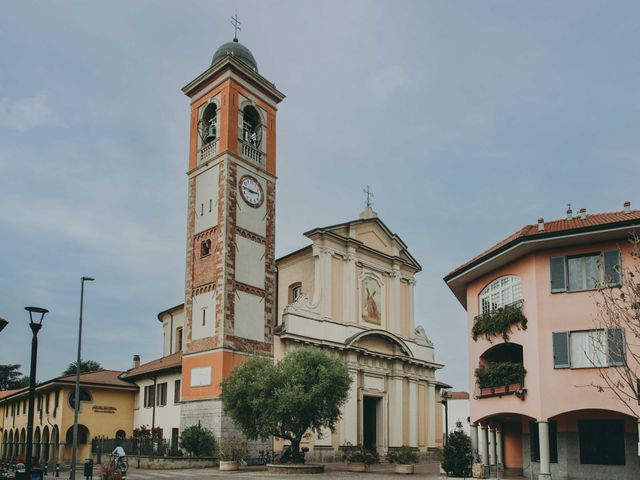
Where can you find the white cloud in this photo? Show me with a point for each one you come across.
(383, 82)
(25, 113)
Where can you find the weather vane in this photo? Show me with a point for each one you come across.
(236, 25)
(367, 191)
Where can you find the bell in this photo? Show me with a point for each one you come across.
(211, 133)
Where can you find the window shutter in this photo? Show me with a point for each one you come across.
(561, 350)
(616, 344)
(612, 268)
(558, 276)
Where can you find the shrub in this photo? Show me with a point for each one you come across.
(359, 454)
(499, 322)
(233, 449)
(457, 456)
(403, 455)
(497, 374)
(197, 441)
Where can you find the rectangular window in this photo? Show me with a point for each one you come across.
(200, 376)
(162, 394)
(179, 339)
(534, 439)
(585, 272)
(46, 402)
(589, 348)
(24, 407)
(176, 391)
(601, 442)
(149, 396)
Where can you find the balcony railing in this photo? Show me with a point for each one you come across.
(251, 152)
(518, 304)
(208, 151)
(500, 378)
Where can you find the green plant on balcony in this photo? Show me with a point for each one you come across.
(499, 322)
(499, 374)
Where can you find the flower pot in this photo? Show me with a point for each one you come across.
(357, 467)
(479, 471)
(229, 465)
(514, 387)
(405, 469)
(502, 389)
(486, 391)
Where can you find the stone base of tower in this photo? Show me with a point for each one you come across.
(211, 415)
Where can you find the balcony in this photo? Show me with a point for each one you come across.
(499, 322)
(249, 151)
(501, 372)
(207, 152)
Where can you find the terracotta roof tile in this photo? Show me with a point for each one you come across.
(102, 377)
(163, 363)
(6, 393)
(558, 226)
(459, 395)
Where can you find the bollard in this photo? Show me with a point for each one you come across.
(88, 469)
(57, 472)
(46, 469)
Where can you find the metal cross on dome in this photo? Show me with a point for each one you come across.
(236, 25)
(367, 191)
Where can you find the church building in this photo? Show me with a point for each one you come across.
(350, 292)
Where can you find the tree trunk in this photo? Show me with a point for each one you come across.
(296, 456)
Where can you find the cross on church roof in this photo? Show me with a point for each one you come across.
(367, 191)
(236, 25)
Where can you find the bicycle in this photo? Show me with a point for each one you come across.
(119, 463)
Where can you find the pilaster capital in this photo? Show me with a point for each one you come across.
(349, 257)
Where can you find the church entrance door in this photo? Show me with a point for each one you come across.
(370, 425)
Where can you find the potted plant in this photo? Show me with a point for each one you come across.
(404, 459)
(358, 458)
(478, 470)
(232, 450)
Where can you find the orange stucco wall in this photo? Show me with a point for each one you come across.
(222, 363)
(550, 391)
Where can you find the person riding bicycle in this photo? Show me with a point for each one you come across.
(120, 455)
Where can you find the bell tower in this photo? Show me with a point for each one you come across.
(229, 284)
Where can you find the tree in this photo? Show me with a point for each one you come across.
(457, 455)
(303, 392)
(618, 314)
(86, 366)
(197, 441)
(11, 378)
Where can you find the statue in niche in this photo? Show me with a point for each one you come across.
(371, 301)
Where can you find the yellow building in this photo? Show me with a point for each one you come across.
(106, 409)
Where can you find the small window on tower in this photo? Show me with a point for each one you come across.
(208, 124)
(205, 248)
(178, 339)
(295, 290)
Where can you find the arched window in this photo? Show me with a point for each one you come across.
(502, 291)
(295, 290)
(205, 248)
(83, 435)
(251, 130)
(84, 397)
(121, 435)
(209, 124)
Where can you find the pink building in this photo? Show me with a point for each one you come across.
(532, 409)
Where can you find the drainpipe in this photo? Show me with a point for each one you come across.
(276, 276)
(155, 400)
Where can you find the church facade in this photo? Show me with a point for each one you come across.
(350, 292)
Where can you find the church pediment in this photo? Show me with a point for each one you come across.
(380, 341)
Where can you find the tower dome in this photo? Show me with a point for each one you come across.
(239, 51)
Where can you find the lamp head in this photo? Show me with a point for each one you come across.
(87, 279)
(36, 310)
(3, 323)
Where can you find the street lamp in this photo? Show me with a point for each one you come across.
(74, 450)
(3, 323)
(35, 328)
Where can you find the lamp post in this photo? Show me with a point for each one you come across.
(35, 328)
(3, 323)
(74, 450)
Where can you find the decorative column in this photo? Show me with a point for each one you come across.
(412, 323)
(396, 434)
(349, 291)
(349, 421)
(413, 413)
(474, 439)
(484, 445)
(545, 456)
(493, 457)
(322, 280)
(431, 415)
(394, 320)
(499, 448)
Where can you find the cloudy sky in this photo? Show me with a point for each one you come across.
(468, 119)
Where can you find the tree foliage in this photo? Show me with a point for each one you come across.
(498, 374)
(197, 441)
(618, 310)
(304, 391)
(457, 455)
(499, 322)
(86, 366)
(11, 378)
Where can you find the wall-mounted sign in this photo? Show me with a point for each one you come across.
(104, 409)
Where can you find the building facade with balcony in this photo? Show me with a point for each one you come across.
(536, 348)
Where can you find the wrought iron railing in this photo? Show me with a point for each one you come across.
(518, 304)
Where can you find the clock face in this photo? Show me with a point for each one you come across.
(251, 191)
